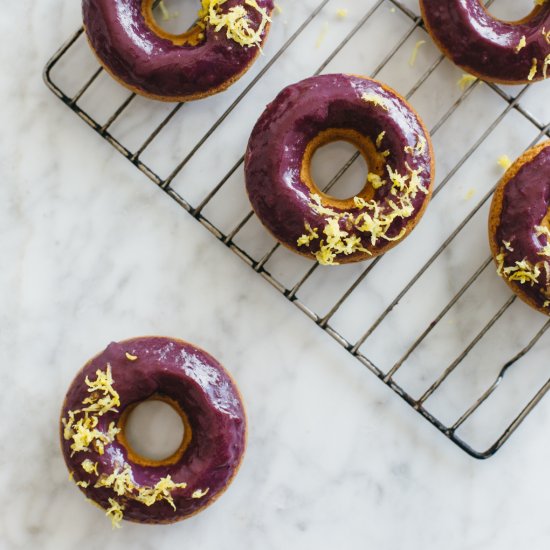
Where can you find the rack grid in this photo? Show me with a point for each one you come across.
(426, 308)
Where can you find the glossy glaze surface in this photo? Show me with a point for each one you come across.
(155, 66)
(203, 390)
(278, 193)
(525, 204)
(485, 46)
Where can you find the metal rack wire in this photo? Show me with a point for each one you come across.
(266, 262)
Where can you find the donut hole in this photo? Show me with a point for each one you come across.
(326, 164)
(173, 18)
(509, 10)
(154, 430)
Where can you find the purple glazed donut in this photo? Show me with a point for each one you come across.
(97, 453)
(499, 51)
(519, 227)
(385, 129)
(205, 60)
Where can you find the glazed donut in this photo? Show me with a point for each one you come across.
(96, 451)
(205, 60)
(494, 50)
(519, 227)
(390, 136)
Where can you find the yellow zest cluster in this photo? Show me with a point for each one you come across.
(373, 220)
(161, 491)
(377, 100)
(84, 433)
(523, 271)
(122, 483)
(419, 149)
(236, 21)
(115, 513)
(83, 430)
(102, 384)
(89, 467)
(466, 80)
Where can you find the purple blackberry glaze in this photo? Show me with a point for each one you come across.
(276, 149)
(154, 66)
(525, 204)
(204, 391)
(486, 46)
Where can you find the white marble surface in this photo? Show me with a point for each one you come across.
(92, 252)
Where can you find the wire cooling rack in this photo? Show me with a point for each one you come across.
(430, 319)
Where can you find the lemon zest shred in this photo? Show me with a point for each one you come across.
(521, 44)
(466, 80)
(376, 100)
(380, 138)
(508, 246)
(89, 467)
(419, 148)
(414, 54)
(236, 21)
(534, 69)
(308, 237)
(131, 357)
(375, 180)
(322, 35)
(545, 65)
(504, 162)
(115, 513)
(83, 431)
(199, 493)
(546, 34)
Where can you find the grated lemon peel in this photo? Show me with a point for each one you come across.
(83, 431)
(504, 162)
(521, 271)
(377, 100)
(236, 21)
(521, 44)
(534, 69)
(466, 80)
(374, 219)
(414, 54)
(115, 513)
(84, 434)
